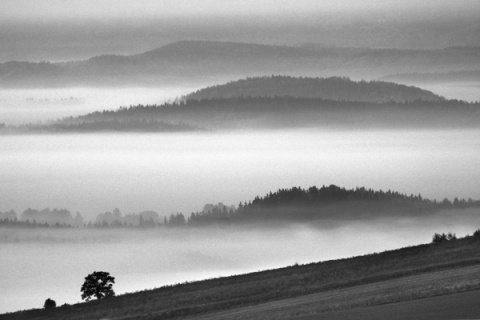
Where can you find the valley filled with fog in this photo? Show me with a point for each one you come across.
(32, 105)
(312, 130)
(53, 263)
(181, 172)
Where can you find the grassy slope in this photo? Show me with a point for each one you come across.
(336, 302)
(201, 298)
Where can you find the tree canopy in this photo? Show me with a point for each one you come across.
(99, 285)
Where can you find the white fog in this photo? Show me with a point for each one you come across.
(53, 263)
(168, 173)
(20, 106)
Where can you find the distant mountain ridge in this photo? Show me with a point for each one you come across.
(437, 77)
(333, 88)
(201, 62)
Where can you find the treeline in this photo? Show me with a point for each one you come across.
(122, 125)
(333, 88)
(32, 218)
(149, 219)
(327, 203)
(116, 219)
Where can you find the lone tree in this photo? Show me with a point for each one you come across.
(49, 304)
(99, 285)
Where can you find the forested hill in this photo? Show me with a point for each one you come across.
(330, 203)
(290, 112)
(333, 88)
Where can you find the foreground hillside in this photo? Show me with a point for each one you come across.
(301, 290)
(334, 88)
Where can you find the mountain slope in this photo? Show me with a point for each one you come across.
(334, 88)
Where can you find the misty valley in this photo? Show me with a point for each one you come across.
(149, 258)
(161, 175)
(250, 160)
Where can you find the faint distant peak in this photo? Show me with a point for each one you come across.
(199, 48)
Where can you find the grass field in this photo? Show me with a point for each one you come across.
(298, 291)
(463, 305)
(334, 303)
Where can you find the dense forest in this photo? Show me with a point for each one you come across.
(327, 203)
(292, 112)
(333, 88)
(330, 203)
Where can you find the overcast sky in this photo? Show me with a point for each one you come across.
(79, 9)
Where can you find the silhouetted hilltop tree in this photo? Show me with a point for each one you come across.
(49, 304)
(334, 88)
(99, 285)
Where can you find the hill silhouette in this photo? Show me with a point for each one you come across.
(200, 62)
(437, 77)
(289, 112)
(333, 88)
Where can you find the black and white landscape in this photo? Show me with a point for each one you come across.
(240, 160)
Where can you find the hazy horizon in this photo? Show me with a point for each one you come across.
(71, 30)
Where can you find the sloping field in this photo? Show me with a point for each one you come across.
(298, 291)
(463, 305)
(417, 290)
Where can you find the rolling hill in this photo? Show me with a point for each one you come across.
(280, 102)
(333, 88)
(201, 62)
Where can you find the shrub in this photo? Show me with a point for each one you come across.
(437, 237)
(451, 236)
(49, 304)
